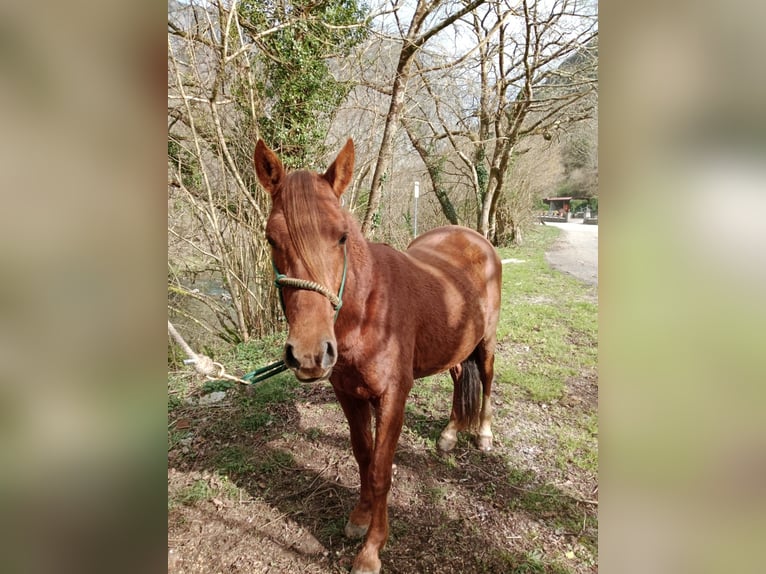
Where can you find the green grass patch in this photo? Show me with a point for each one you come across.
(255, 353)
(176, 436)
(277, 390)
(578, 445)
(256, 421)
(536, 499)
(428, 407)
(233, 460)
(236, 461)
(547, 503)
(436, 494)
(258, 403)
(249, 409)
(204, 489)
(238, 360)
(333, 529)
(214, 386)
(543, 384)
(534, 562)
(273, 462)
(178, 387)
(548, 325)
(174, 402)
(197, 491)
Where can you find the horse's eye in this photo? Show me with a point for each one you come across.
(343, 238)
(270, 241)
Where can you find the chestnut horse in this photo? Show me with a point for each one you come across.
(372, 319)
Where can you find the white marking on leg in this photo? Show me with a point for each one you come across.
(448, 438)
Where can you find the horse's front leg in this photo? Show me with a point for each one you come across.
(358, 414)
(389, 415)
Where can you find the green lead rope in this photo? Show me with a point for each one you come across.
(266, 372)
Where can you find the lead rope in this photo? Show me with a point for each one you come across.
(203, 364)
(213, 370)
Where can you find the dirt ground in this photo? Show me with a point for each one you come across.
(298, 482)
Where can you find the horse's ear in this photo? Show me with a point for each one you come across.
(339, 174)
(268, 167)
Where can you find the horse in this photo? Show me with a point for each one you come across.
(371, 320)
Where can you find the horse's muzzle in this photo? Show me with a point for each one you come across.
(324, 377)
(313, 365)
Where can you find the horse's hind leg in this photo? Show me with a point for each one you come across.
(485, 359)
(471, 398)
(448, 438)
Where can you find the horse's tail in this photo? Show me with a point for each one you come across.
(468, 394)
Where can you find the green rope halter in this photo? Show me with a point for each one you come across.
(284, 281)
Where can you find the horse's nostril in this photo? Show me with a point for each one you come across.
(290, 359)
(328, 360)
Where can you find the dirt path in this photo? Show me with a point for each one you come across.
(576, 251)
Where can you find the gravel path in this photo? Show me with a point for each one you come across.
(576, 251)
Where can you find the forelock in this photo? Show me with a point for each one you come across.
(303, 217)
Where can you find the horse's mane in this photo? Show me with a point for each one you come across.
(303, 217)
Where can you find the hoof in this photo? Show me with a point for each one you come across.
(355, 531)
(484, 443)
(366, 569)
(367, 561)
(446, 444)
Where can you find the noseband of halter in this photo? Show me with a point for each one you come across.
(335, 300)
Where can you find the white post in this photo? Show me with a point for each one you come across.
(415, 218)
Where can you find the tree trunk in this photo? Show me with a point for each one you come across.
(384, 154)
(434, 174)
(412, 42)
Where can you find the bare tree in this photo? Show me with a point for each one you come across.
(216, 209)
(534, 73)
(414, 37)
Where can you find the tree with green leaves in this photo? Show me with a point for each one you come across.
(239, 70)
(300, 95)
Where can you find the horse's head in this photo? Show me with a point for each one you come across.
(307, 231)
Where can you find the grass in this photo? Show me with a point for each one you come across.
(578, 445)
(273, 462)
(233, 460)
(203, 489)
(257, 403)
(541, 384)
(533, 562)
(175, 438)
(427, 410)
(546, 322)
(551, 505)
(333, 528)
(436, 494)
(195, 492)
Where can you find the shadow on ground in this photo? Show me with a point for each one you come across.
(266, 486)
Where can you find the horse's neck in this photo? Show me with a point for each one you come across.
(362, 267)
(360, 285)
